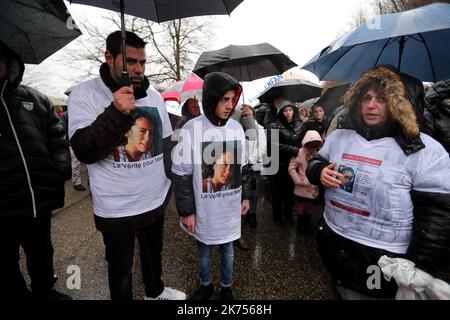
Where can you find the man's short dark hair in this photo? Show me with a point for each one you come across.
(114, 42)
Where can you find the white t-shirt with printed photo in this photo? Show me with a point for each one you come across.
(122, 188)
(373, 206)
(218, 211)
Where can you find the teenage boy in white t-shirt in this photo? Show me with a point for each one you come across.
(211, 151)
(130, 189)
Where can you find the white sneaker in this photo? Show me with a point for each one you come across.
(169, 294)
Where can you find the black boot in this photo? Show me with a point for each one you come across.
(307, 224)
(299, 224)
(226, 294)
(203, 293)
(252, 220)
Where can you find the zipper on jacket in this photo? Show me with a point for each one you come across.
(20, 150)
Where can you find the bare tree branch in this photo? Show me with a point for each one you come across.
(380, 7)
(173, 47)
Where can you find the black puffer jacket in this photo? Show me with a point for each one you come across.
(266, 115)
(216, 84)
(41, 137)
(437, 113)
(289, 134)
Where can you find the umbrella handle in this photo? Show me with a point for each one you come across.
(125, 80)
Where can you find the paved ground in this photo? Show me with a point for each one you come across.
(279, 265)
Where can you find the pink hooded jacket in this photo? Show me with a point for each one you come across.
(297, 167)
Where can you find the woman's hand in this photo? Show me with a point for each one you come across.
(330, 178)
(189, 222)
(245, 207)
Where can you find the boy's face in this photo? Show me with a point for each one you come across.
(225, 105)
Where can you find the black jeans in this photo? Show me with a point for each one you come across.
(119, 253)
(347, 261)
(33, 234)
(283, 199)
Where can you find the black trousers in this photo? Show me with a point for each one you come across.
(34, 235)
(283, 198)
(119, 253)
(347, 261)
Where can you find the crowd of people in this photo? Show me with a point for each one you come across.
(377, 171)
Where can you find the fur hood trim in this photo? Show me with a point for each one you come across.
(400, 108)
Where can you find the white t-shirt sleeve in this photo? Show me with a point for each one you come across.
(432, 172)
(166, 125)
(324, 152)
(182, 156)
(81, 112)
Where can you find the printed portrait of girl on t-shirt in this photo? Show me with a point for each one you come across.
(220, 167)
(144, 139)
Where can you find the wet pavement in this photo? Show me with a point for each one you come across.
(280, 264)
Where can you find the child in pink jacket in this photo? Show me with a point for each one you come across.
(305, 192)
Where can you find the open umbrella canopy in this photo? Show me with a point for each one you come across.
(416, 42)
(160, 11)
(332, 98)
(182, 90)
(245, 63)
(35, 29)
(166, 10)
(310, 103)
(292, 89)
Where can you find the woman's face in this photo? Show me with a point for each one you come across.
(374, 109)
(303, 112)
(318, 113)
(288, 113)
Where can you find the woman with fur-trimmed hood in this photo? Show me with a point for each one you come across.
(399, 201)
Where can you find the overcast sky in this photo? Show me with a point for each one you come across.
(298, 28)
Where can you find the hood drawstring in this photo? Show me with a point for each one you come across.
(20, 149)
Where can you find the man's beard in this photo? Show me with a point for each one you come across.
(132, 77)
(136, 81)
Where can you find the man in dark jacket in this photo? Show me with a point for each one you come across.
(34, 162)
(189, 110)
(437, 113)
(76, 174)
(267, 113)
(129, 195)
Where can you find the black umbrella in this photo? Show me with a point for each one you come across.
(160, 11)
(35, 29)
(292, 89)
(332, 98)
(245, 63)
